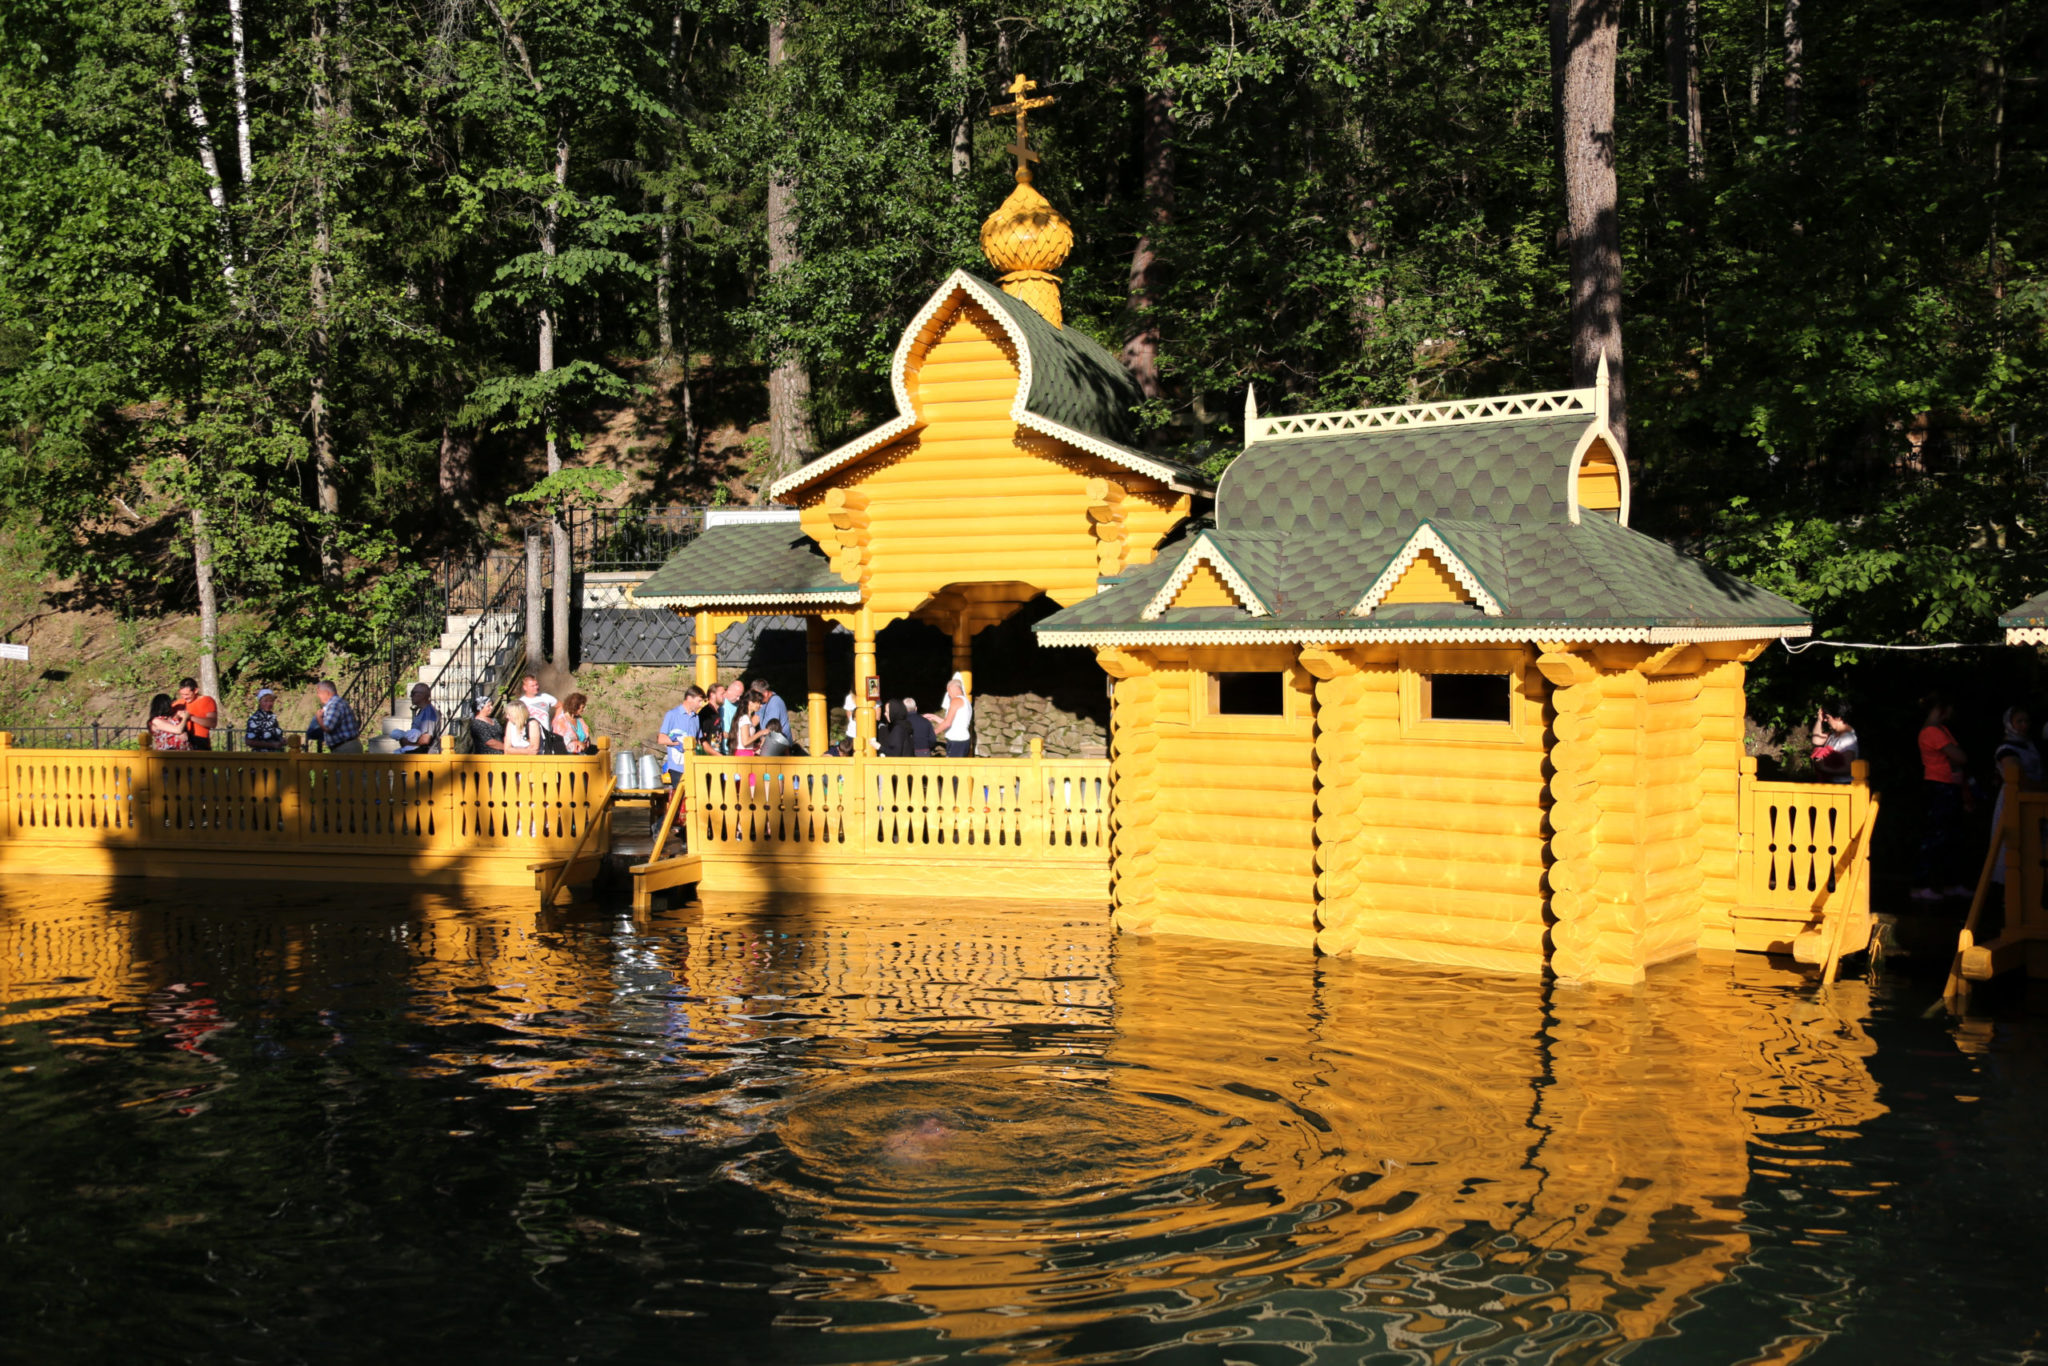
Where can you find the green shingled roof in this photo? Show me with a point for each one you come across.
(1312, 523)
(2031, 615)
(745, 563)
(1075, 384)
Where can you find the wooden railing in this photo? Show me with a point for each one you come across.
(2019, 847)
(995, 811)
(456, 805)
(1792, 838)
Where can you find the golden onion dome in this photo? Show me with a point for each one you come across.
(1027, 239)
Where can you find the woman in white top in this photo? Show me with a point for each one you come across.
(522, 731)
(957, 724)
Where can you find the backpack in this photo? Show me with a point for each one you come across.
(551, 743)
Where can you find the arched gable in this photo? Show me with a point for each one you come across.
(1597, 480)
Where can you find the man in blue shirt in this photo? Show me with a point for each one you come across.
(336, 726)
(425, 735)
(773, 708)
(680, 731)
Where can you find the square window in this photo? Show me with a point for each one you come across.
(1468, 697)
(1248, 694)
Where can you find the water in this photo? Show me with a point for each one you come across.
(343, 1125)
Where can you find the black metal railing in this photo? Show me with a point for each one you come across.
(110, 735)
(370, 681)
(620, 540)
(486, 657)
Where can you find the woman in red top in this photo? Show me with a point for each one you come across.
(166, 724)
(1942, 784)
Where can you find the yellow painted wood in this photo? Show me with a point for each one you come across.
(1426, 580)
(444, 818)
(1599, 480)
(1205, 588)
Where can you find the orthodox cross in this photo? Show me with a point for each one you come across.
(1021, 104)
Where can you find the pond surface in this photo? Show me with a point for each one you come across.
(348, 1124)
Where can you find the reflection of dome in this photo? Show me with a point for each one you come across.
(1027, 239)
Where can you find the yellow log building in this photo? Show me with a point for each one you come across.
(1406, 684)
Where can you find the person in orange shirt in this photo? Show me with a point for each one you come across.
(202, 713)
(1945, 786)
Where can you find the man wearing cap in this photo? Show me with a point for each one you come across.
(263, 732)
(425, 735)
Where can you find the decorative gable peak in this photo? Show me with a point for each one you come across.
(1205, 577)
(1426, 569)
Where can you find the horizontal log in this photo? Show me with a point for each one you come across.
(1524, 931)
(1297, 935)
(1495, 820)
(1285, 901)
(1381, 843)
(1451, 875)
(1374, 898)
(1366, 945)
(931, 392)
(1264, 827)
(1459, 767)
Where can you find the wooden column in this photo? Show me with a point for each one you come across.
(706, 650)
(815, 630)
(863, 670)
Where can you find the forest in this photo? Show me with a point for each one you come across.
(297, 296)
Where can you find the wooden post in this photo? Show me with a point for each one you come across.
(294, 814)
(6, 783)
(859, 779)
(706, 651)
(816, 704)
(1038, 808)
(444, 800)
(863, 670)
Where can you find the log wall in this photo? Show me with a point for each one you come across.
(1032, 522)
(1431, 836)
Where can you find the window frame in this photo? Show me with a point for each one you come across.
(1418, 724)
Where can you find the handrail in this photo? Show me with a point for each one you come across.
(1858, 870)
(458, 712)
(555, 880)
(1957, 985)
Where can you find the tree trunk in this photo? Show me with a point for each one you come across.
(326, 485)
(533, 600)
(209, 606)
(963, 113)
(195, 109)
(241, 94)
(1141, 352)
(1795, 67)
(1682, 65)
(458, 467)
(789, 384)
(1592, 199)
(550, 229)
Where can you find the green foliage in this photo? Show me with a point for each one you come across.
(1836, 363)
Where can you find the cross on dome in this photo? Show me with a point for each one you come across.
(1021, 105)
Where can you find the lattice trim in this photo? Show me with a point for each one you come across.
(1205, 551)
(1426, 538)
(749, 516)
(2026, 635)
(841, 596)
(1507, 408)
(908, 421)
(1422, 635)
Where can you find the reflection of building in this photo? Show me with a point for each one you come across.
(1370, 1113)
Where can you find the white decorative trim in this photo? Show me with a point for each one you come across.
(749, 516)
(1424, 635)
(850, 594)
(908, 421)
(2026, 635)
(1598, 431)
(1205, 551)
(1506, 408)
(1426, 538)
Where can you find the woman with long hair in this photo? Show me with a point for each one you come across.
(746, 734)
(569, 723)
(167, 724)
(522, 730)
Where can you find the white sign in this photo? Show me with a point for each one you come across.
(8, 651)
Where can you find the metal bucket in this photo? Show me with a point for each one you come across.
(622, 769)
(650, 771)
